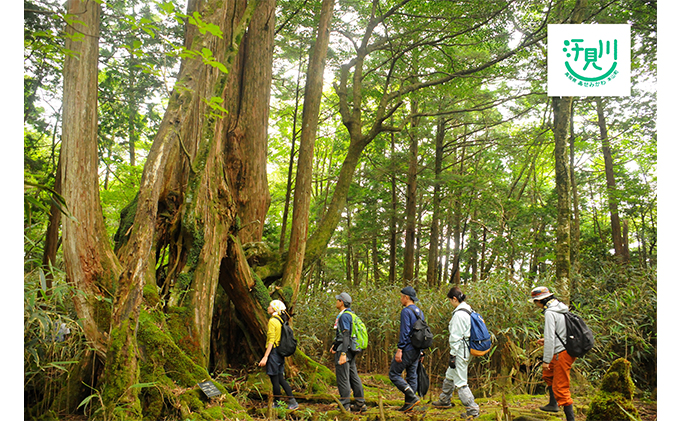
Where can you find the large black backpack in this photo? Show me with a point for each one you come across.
(421, 336)
(288, 342)
(579, 336)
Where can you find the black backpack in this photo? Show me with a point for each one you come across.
(421, 336)
(288, 342)
(579, 336)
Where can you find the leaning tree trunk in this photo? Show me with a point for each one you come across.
(619, 250)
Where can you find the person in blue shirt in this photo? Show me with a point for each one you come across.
(407, 356)
(345, 357)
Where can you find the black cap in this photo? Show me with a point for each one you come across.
(410, 292)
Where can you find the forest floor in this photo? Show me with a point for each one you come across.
(377, 388)
(495, 408)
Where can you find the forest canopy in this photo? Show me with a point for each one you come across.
(185, 163)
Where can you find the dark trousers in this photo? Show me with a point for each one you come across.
(409, 362)
(348, 379)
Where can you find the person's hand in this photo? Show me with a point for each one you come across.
(263, 362)
(342, 359)
(332, 350)
(540, 341)
(452, 362)
(397, 356)
(546, 366)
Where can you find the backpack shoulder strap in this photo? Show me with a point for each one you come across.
(414, 313)
(463, 309)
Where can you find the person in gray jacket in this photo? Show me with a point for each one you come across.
(556, 360)
(457, 372)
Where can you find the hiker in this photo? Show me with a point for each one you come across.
(556, 361)
(345, 357)
(407, 356)
(272, 359)
(457, 372)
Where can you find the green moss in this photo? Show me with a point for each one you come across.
(127, 217)
(287, 294)
(120, 364)
(261, 292)
(614, 399)
(151, 296)
(617, 379)
(610, 406)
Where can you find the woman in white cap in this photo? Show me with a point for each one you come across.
(272, 359)
(556, 360)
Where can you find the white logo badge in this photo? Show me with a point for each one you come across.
(588, 60)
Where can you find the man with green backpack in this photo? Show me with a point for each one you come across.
(350, 338)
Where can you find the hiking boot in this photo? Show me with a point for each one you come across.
(552, 405)
(569, 412)
(410, 400)
(292, 404)
(468, 417)
(358, 407)
(442, 404)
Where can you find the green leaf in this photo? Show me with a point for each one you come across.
(86, 400)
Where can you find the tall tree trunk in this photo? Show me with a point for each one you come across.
(410, 231)
(246, 125)
(376, 261)
(132, 105)
(617, 239)
(52, 235)
(303, 181)
(91, 266)
(561, 108)
(206, 217)
(562, 111)
(433, 253)
(289, 183)
(576, 211)
(393, 214)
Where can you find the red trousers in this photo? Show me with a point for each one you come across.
(558, 376)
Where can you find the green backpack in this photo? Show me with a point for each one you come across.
(359, 333)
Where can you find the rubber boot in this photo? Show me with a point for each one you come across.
(552, 405)
(569, 412)
(410, 400)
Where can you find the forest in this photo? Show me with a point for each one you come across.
(186, 163)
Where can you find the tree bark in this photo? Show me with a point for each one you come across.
(576, 210)
(206, 216)
(619, 250)
(52, 234)
(411, 190)
(303, 180)
(289, 182)
(393, 215)
(245, 127)
(433, 253)
(90, 264)
(561, 109)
